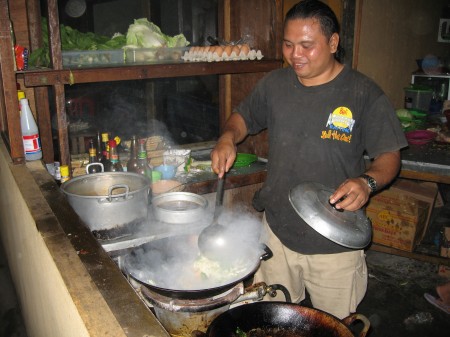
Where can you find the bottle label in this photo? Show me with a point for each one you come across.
(32, 144)
(114, 158)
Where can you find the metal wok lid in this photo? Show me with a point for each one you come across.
(349, 229)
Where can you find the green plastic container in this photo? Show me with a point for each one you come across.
(418, 97)
(244, 159)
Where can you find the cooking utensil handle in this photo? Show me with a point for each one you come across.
(358, 317)
(219, 197)
(113, 187)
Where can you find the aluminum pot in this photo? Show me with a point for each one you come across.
(292, 319)
(108, 200)
(179, 207)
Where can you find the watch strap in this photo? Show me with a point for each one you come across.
(371, 182)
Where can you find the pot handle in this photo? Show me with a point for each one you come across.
(267, 253)
(113, 187)
(95, 164)
(358, 317)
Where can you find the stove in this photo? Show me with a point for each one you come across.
(180, 317)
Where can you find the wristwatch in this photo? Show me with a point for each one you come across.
(371, 182)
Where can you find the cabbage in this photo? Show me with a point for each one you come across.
(145, 34)
(404, 114)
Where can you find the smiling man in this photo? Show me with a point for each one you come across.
(322, 118)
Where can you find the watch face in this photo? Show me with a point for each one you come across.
(370, 181)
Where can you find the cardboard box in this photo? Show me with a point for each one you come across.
(401, 213)
(445, 252)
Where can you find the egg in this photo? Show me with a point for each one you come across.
(219, 51)
(236, 50)
(227, 51)
(245, 49)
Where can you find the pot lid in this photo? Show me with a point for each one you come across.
(349, 229)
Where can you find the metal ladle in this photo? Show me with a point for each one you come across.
(212, 241)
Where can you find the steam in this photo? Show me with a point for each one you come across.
(175, 263)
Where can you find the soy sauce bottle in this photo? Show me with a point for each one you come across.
(115, 166)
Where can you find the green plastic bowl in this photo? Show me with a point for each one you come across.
(244, 159)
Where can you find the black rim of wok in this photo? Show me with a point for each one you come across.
(131, 271)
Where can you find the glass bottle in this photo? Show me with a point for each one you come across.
(115, 166)
(98, 146)
(142, 162)
(105, 152)
(94, 166)
(132, 162)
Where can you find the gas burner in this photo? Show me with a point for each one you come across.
(193, 305)
(183, 317)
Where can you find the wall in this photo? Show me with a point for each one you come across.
(56, 294)
(393, 34)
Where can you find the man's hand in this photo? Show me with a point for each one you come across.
(354, 193)
(224, 153)
(223, 156)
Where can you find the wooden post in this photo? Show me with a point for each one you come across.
(10, 117)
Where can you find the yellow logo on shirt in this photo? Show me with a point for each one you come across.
(340, 124)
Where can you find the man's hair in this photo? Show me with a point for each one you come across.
(316, 9)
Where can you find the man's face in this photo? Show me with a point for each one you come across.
(308, 51)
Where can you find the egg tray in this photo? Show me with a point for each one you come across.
(239, 52)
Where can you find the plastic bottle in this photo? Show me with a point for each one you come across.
(30, 132)
(65, 176)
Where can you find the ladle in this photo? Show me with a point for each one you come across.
(212, 240)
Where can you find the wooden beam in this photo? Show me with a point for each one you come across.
(8, 85)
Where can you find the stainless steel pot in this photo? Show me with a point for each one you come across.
(109, 200)
(179, 207)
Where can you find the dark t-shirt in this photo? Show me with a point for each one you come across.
(317, 134)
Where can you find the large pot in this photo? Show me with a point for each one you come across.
(169, 267)
(295, 320)
(109, 200)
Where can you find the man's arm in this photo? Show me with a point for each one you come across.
(356, 192)
(224, 153)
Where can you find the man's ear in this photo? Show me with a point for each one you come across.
(334, 42)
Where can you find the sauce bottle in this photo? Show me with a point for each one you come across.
(115, 166)
(132, 163)
(94, 166)
(142, 162)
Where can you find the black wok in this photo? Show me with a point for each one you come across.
(165, 266)
(295, 320)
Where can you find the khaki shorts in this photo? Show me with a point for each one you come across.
(336, 283)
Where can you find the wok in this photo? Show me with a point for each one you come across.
(293, 319)
(167, 266)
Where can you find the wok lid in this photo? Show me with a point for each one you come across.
(349, 229)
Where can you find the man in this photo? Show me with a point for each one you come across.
(322, 117)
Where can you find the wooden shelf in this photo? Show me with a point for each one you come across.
(46, 77)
